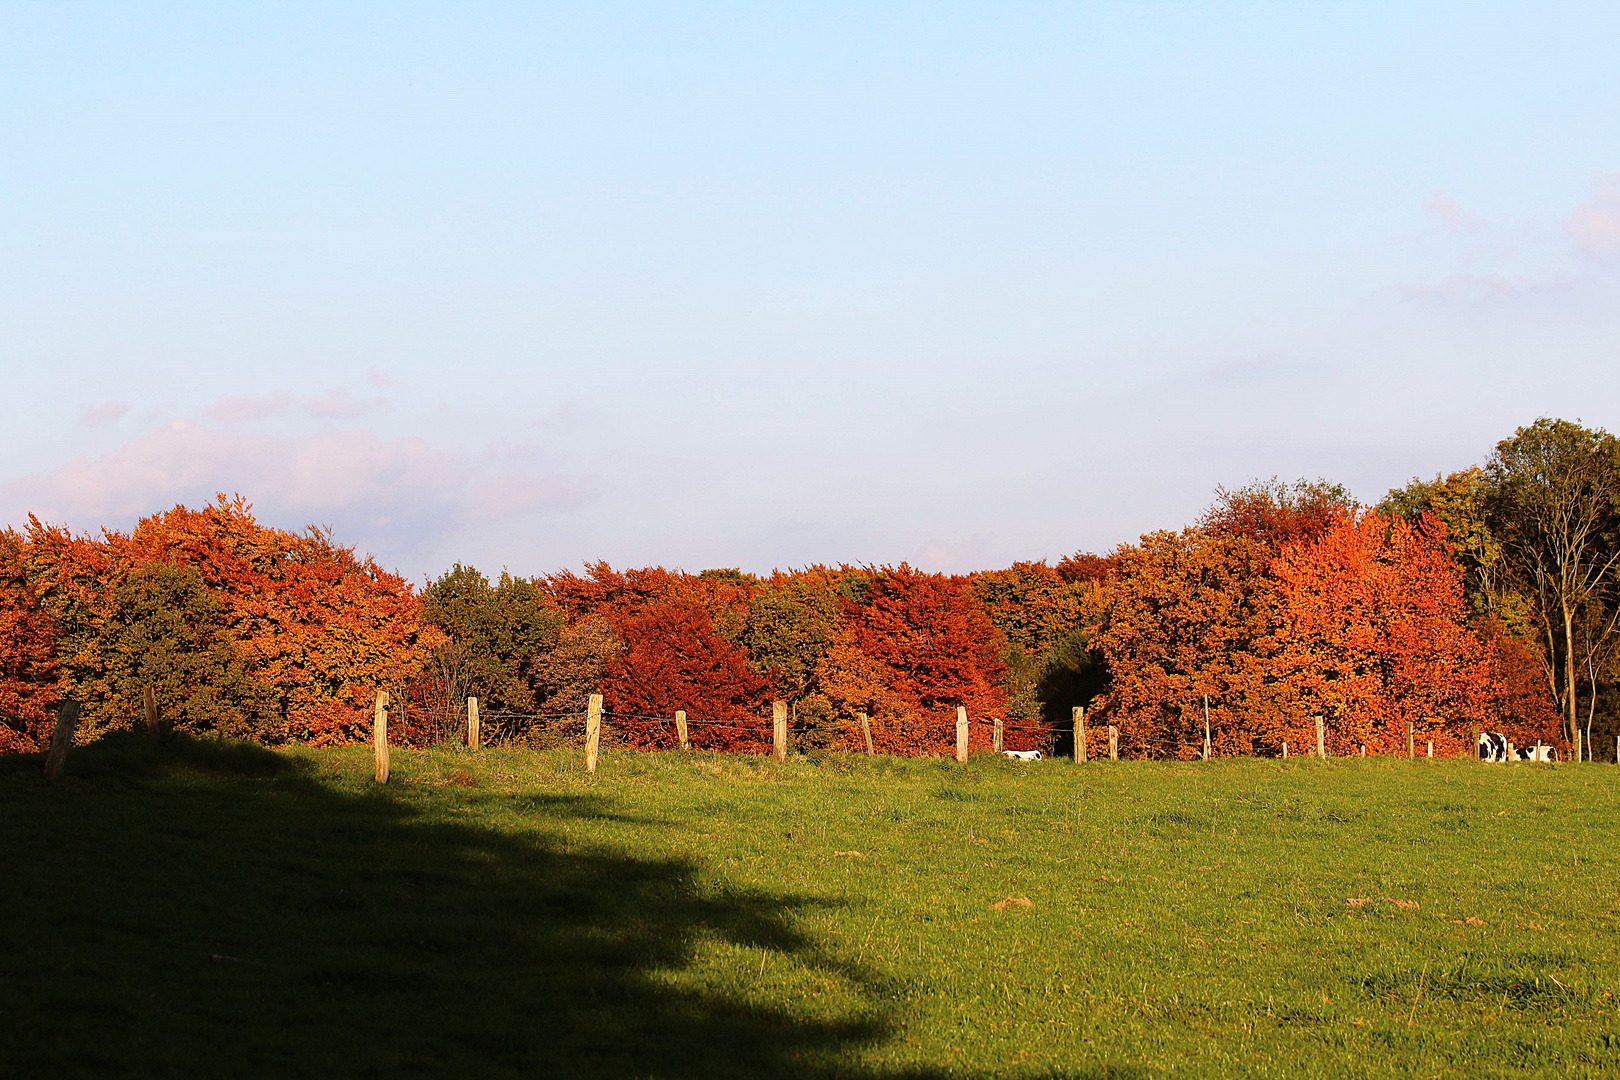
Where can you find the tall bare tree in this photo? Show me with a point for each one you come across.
(1555, 508)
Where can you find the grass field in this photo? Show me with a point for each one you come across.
(203, 909)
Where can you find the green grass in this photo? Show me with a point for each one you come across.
(198, 909)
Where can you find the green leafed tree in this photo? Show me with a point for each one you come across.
(163, 630)
(497, 633)
(1554, 506)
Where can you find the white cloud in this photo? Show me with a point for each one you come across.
(391, 497)
(1453, 217)
(1595, 226)
(104, 413)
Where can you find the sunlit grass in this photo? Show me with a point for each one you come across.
(691, 915)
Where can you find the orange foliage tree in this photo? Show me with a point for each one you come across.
(1373, 631)
(1190, 614)
(260, 632)
(30, 676)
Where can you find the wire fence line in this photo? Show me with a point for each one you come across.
(448, 725)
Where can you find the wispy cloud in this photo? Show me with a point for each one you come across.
(1594, 227)
(104, 413)
(233, 409)
(338, 403)
(956, 556)
(390, 496)
(1452, 217)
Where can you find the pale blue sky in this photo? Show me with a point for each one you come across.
(723, 285)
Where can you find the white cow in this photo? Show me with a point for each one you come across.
(1494, 746)
(1023, 755)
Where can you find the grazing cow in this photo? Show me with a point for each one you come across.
(1023, 755)
(1493, 746)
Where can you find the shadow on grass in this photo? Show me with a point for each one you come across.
(203, 909)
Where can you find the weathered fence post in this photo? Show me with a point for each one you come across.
(1577, 744)
(1411, 745)
(680, 729)
(779, 729)
(1511, 755)
(996, 739)
(593, 731)
(1363, 749)
(961, 735)
(379, 736)
(1206, 727)
(866, 732)
(474, 735)
(1079, 713)
(1113, 743)
(67, 721)
(149, 704)
(1285, 749)
(1321, 739)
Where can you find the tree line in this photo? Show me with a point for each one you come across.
(1487, 598)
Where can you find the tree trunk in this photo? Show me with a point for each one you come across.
(1572, 721)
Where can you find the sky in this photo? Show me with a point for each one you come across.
(766, 285)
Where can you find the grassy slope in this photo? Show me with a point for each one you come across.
(211, 909)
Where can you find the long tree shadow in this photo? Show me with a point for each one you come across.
(258, 922)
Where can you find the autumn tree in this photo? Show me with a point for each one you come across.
(1373, 632)
(1555, 508)
(31, 682)
(913, 648)
(1191, 616)
(320, 628)
(1049, 622)
(674, 659)
(1273, 513)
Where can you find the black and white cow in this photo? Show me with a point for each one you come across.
(1023, 755)
(1494, 746)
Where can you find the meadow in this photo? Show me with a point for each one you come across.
(213, 908)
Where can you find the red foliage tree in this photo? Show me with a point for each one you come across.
(673, 659)
(911, 650)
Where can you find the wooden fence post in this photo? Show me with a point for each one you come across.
(1113, 743)
(1363, 749)
(779, 729)
(1079, 713)
(1285, 749)
(680, 729)
(866, 732)
(149, 705)
(593, 731)
(1206, 727)
(996, 739)
(474, 735)
(1411, 746)
(1431, 748)
(1577, 744)
(67, 721)
(1511, 756)
(1321, 738)
(961, 735)
(379, 736)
